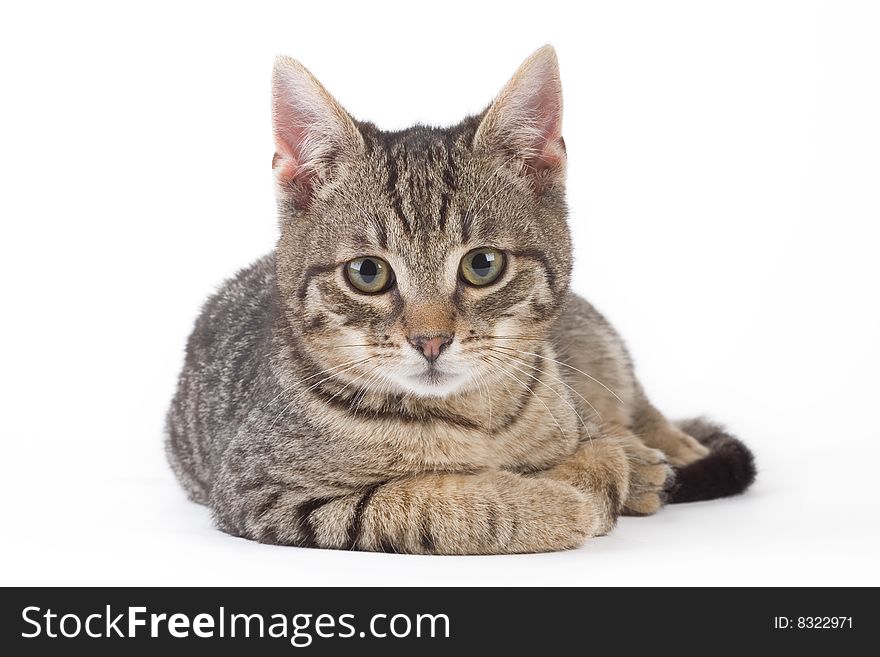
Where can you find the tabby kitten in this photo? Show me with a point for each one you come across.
(408, 371)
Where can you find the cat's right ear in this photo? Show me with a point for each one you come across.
(313, 133)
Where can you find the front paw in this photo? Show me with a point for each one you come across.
(600, 470)
(544, 515)
(650, 476)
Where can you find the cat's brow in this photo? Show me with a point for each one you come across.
(467, 227)
(368, 243)
(381, 232)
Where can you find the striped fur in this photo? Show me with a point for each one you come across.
(305, 417)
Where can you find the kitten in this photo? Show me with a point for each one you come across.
(408, 371)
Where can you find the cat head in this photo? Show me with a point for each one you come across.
(404, 257)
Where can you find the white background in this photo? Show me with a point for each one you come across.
(724, 168)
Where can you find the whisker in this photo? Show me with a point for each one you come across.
(375, 378)
(359, 393)
(324, 371)
(354, 380)
(485, 385)
(571, 367)
(300, 394)
(555, 378)
(489, 338)
(531, 392)
(555, 392)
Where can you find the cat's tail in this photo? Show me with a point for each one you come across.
(728, 469)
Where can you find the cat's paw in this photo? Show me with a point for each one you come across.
(683, 450)
(550, 515)
(650, 476)
(600, 470)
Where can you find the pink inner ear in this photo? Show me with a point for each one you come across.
(312, 132)
(285, 165)
(549, 149)
(545, 108)
(289, 163)
(545, 152)
(289, 159)
(526, 119)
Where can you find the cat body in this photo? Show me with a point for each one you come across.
(408, 371)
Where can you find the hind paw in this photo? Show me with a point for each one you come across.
(685, 451)
(680, 448)
(651, 475)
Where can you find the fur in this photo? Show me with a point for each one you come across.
(305, 416)
(729, 469)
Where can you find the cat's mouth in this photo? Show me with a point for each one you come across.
(434, 381)
(435, 377)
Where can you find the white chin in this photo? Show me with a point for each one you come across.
(434, 384)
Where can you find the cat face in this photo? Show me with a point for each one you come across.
(405, 256)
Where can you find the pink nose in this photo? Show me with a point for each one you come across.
(432, 347)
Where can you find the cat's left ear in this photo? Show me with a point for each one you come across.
(314, 135)
(524, 123)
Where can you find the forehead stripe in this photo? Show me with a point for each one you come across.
(393, 193)
(444, 210)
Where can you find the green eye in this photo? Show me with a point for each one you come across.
(370, 275)
(482, 266)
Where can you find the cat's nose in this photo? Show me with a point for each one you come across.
(431, 347)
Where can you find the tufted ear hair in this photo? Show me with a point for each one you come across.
(524, 123)
(312, 131)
